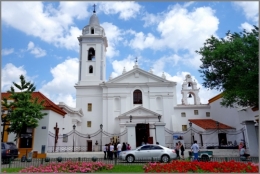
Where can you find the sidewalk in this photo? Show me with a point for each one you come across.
(216, 153)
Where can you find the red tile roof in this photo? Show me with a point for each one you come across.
(209, 124)
(48, 104)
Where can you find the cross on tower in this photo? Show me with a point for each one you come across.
(94, 8)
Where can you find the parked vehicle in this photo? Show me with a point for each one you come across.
(9, 151)
(204, 155)
(149, 152)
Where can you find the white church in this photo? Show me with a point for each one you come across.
(137, 106)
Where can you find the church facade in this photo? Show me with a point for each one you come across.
(137, 106)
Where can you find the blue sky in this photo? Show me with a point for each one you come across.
(39, 39)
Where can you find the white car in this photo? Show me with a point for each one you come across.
(149, 152)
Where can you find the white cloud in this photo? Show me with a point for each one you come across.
(10, 74)
(247, 26)
(6, 51)
(36, 51)
(179, 29)
(119, 65)
(250, 9)
(115, 35)
(126, 10)
(61, 88)
(50, 25)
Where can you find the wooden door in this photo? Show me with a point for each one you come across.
(89, 146)
(150, 140)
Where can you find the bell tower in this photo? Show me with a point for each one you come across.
(190, 90)
(92, 61)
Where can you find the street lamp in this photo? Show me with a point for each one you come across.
(159, 117)
(101, 127)
(217, 124)
(190, 133)
(74, 127)
(131, 117)
(3, 119)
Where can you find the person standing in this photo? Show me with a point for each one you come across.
(105, 151)
(124, 147)
(111, 151)
(177, 150)
(119, 148)
(128, 147)
(195, 149)
(182, 149)
(108, 151)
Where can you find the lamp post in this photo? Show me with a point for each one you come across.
(3, 119)
(217, 124)
(74, 126)
(101, 127)
(131, 117)
(159, 117)
(190, 133)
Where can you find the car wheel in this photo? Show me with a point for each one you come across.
(165, 159)
(130, 159)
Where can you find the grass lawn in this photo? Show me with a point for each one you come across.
(11, 170)
(124, 169)
(116, 169)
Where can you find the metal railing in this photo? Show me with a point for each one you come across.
(95, 148)
(204, 146)
(37, 162)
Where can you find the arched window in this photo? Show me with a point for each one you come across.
(138, 97)
(90, 69)
(92, 30)
(91, 54)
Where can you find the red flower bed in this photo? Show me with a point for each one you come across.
(207, 167)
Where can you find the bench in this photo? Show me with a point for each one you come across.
(243, 158)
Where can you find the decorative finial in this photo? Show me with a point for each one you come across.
(163, 76)
(94, 8)
(124, 71)
(136, 60)
(151, 70)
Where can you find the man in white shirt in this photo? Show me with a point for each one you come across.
(119, 148)
(111, 151)
(195, 149)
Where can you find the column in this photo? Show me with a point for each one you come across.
(160, 133)
(251, 138)
(131, 138)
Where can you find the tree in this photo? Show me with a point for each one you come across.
(231, 65)
(26, 110)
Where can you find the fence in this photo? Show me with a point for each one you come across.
(37, 162)
(94, 148)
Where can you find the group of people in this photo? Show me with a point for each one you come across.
(179, 147)
(113, 149)
(195, 149)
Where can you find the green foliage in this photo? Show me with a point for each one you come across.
(26, 110)
(231, 65)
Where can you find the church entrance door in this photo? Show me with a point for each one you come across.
(142, 133)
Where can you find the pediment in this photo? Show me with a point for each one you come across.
(137, 75)
(139, 112)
